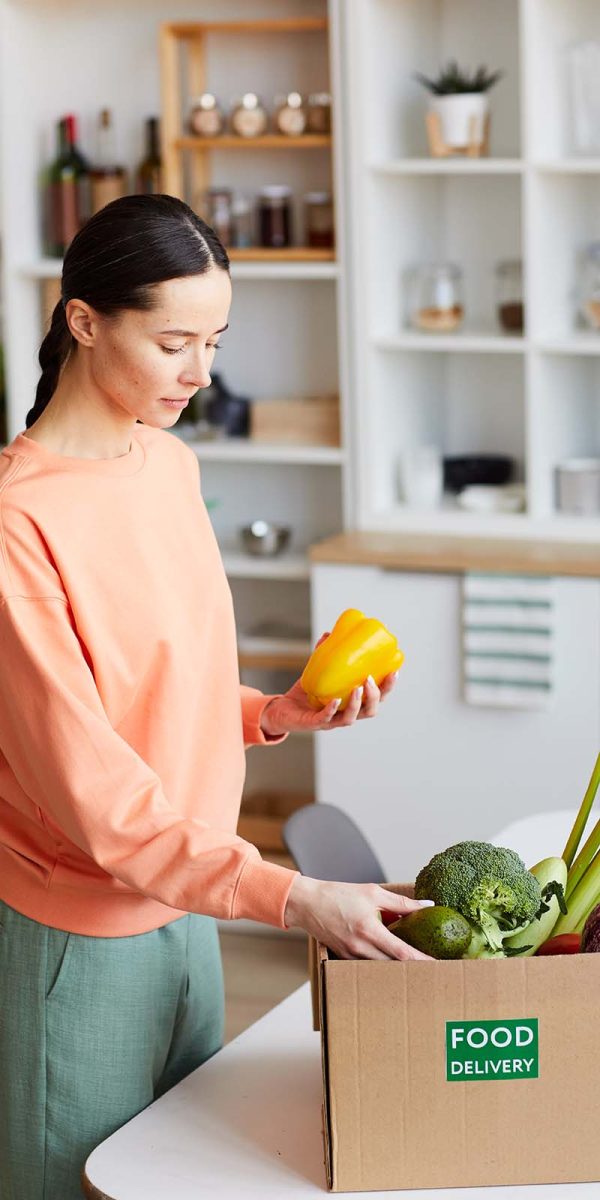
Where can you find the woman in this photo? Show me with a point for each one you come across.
(123, 725)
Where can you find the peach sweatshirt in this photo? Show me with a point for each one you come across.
(123, 725)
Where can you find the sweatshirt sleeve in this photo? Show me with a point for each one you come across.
(253, 705)
(75, 767)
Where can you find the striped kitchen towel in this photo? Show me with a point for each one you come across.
(508, 640)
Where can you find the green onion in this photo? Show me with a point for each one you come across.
(583, 880)
(581, 820)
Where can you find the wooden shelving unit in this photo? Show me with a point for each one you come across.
(183, 58)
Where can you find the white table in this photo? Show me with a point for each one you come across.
(247, 1124)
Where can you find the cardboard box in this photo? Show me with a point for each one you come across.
(458, 1074)
(302, 420)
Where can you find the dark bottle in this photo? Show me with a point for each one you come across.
(148, 179)
(68, 190)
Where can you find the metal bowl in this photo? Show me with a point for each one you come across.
(264, 538)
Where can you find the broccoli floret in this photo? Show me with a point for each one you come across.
(489, 885)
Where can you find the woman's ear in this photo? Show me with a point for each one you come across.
(82, 321)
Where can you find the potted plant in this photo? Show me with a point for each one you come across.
(460, 103)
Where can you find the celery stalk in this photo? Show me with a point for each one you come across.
(577, 831)
(582, 900)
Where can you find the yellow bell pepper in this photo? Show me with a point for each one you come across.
(356, 647)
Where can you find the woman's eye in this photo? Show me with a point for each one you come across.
(173, 349)
(213, 346)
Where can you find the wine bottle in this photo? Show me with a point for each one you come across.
(149, 173)
(68, 195)
(107, 179)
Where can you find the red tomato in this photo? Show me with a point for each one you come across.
(564, 943)
(388, 917)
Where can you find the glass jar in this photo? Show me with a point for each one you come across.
(290, 115)
(509, 295)
(435, 297)
(589, 286)
(218, 204)
(242, 223)
(318, 113)
(319, 220)
(206, 116)
(275, 216)
(249, 117)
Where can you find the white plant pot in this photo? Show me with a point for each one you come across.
(455, 113)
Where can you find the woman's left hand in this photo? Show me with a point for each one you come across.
(292, 712)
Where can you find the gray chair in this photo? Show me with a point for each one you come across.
(325, 843)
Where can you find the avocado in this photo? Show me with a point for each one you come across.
(439, 931)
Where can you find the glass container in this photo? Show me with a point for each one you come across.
(319, 220)
(589, 286)
(290, 115)
(249, 117)
(275, 216)
(435, 297)
(218, 208)
(206, 117)
(318, 113)
(509, 295)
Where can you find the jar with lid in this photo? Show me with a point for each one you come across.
(217, 206)
(435, 297)
(509, 295)
(318, 113)
(249, 116)
(206, 116)
(242, 222)
(275, 216)
(589, 286)
(319, 220)
(290, 114)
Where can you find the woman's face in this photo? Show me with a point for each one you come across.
(141, 360)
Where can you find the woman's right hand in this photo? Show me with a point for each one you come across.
(343, 916)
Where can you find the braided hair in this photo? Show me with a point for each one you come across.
(113, 263)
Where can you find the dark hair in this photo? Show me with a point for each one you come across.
(112, 263)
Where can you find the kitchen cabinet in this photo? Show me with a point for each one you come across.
(430, 770)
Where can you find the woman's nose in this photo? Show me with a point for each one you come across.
(197, 373)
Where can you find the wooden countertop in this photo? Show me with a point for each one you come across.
(450, 554)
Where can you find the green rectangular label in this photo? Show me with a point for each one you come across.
(492, 1050)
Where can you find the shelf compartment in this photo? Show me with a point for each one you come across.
(550, 27)
(391, 41)
(468, 403)
(566, 412)
(567, 209)
(474, 221)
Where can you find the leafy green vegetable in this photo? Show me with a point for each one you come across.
(489, 885)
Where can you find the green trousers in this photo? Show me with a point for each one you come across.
(92, 1030)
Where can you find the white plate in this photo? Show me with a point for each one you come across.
(486, 498)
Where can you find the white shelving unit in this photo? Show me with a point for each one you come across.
(288, 323)
(536, 396)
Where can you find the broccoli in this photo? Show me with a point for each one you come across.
(489, 885)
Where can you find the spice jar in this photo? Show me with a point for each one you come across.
(275, 216)
(218, 212)
(319, 219)
(249, 117)
(435, 302)
(509, 295)
(290, 114)
(318, 113)
(589, 286)
(206, 116)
